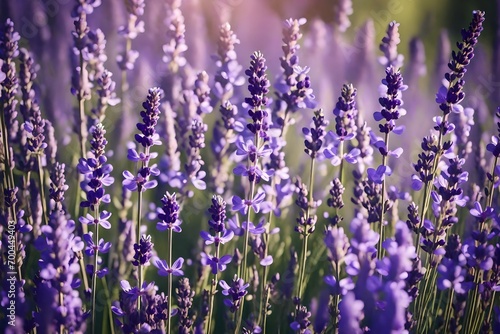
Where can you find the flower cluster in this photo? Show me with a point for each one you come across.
(147, 139)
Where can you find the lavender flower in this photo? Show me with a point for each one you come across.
(185, 303)
(351, 311)
(343, 9)
(8, 53)
(345, 128)
(143, 251)
(58, 187)
(165, 270)
(202, 91)
(195, 161)
(96, 171)
(106, 93)
(58, 247)
(147, 138)
(169, 214)
(176, 43)
(216, 264)
(258, 86)
(315, 135)
(228, 76)
(236, 291)
(301, 323)
(130, 31)
(389, 47)
(94, 54)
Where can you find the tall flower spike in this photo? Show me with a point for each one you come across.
(258, 85)
(228, 75)
(58, 272)
(343, 9)
(176, 43)
(58, 187)
(147, 138)
(107, 95)
(9, 51)
(169, 214)
(184, 302)
(130, 31)
(96, 170)
(389, 47)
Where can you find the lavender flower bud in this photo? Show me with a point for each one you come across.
(58, 187)
(236, 291)
(143, 251)
(184, 303)
(315, 135)
(258, 86)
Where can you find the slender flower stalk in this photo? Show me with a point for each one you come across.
(449, 99)
(96, 174)
(169, 216)
(127, 58)
(217, 235)
(141, 182)
(391, 103)
(258, 86)
(306, 222)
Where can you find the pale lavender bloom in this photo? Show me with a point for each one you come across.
(228, 75)
(217, 264)
(210, 239)
(102, 220)
(343, 9)
(165, 270)
(243, 205)
(378, 175)
(236, 291)
(176, 43)
(102, 246)
(389, 47)
(351, 313)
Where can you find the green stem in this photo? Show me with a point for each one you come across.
(302, 265)
(169, 322)
(213, 289)
(448, 311)
(42, 191)
(108, 302)
(489, 199)
(243, 268)
(61, 303)
(138, 237)
(94, 272)
(382, 204)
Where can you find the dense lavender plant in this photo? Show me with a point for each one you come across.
(8, 53)
(59, 248)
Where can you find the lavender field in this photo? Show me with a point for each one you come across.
(215, 167)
